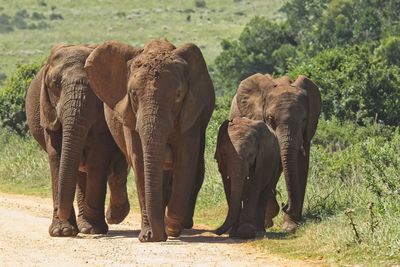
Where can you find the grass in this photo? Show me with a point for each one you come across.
(134, 22)
(343, 175)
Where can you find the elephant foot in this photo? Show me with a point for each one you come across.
(188, 224)
(246, 231)
(271, 211)
(116, 214)
(60, 228)
(173, 227)
(92, 228)
(146, 235)
(233, 233)
(289, 225)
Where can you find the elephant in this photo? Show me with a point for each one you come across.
(248, 159)
(67, 120)
(159, 101)
(292, 110)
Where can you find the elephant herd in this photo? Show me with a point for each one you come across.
(98, 110)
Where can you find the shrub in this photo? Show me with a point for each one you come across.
(354, 84)
(12, 98)
(200, 3)
(253, 52)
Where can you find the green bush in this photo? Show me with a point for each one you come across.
(12, 98)
(354, 84)
(200, 3)
(261, 47)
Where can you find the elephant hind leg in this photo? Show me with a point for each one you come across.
(271, 209)
(118, 207)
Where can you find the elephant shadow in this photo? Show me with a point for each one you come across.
(205, 236)
(187, 236)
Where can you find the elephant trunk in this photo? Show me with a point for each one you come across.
(289, 147)
(153, 131)
(75, 129)
(235, 200)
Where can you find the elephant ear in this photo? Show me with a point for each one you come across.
(200, 86)
(223, 130)
(48, 113)
(234, 112)
(314, 104)
(107, 70)
(251, 96)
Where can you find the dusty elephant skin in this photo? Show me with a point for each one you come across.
(292, 109)
(67, 120)
(160, 99)
(248, 159)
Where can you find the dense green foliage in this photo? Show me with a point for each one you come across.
(355, 83)
(12, 98)
(350, 48)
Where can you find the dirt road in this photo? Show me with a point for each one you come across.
(24, 241)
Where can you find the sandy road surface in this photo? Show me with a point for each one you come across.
(24, 241)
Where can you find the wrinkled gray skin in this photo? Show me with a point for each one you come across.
(248, 159)
(160, 99)
(292, 109)
(67, 120)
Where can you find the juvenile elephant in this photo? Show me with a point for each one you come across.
(248, 159)
(160, 100)
(67, 120)
(292, 109)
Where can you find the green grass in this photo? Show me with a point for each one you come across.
(134, 22)
(342, 176)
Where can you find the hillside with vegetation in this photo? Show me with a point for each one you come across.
(349, 48)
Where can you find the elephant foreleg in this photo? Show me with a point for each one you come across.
(53, 148)
(80, 196)
(197, 186)
(183, 183)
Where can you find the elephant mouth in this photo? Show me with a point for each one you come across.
(168, 159)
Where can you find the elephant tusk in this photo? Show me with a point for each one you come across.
(227, 177)
(248, 178)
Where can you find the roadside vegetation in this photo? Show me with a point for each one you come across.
(350, 48)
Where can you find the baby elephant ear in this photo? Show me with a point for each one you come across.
(314, 104)
(200, 94)
(107, 70)
(223, 130)
(250, 96)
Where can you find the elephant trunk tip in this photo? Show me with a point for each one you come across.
(223, 228)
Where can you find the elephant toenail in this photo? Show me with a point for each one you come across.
(67, 232)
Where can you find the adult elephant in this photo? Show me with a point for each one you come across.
(67, 120)
(160, 100)
(292, 109)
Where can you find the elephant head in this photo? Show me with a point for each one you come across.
(242, 147)
(67, 104)
(292, 109)
(155, 91)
